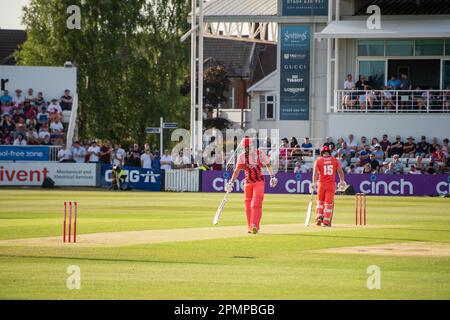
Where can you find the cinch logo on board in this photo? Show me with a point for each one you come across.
(400, 187)
(443, 187)
(218, 184)
(23, 175)
(297, 186)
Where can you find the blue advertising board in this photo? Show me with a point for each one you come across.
(294, 71)
(304, 8)
(136, 178)
(24, 153)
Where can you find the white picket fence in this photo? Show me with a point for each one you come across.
(183, 180)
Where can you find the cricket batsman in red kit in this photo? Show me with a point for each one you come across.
(325, 169)
(252, 162)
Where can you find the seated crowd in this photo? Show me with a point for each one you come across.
(396, 157)
(31, 120)
(365, 95)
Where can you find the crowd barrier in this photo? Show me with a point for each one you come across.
(182, 180)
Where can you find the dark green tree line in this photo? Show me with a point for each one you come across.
(129, 59)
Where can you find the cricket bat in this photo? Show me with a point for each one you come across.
(219, 210)
(308, 212)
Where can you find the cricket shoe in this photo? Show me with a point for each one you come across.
(328, 225)
(319, 221)
(254, 229)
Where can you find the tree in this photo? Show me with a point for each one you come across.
(216, 83)
(129, 59)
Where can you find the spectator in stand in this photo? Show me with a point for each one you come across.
(361, 83)
(300, 167)
(367, 169)
(18, 99)
(351, 169)
(364, 155)
(373, 144)
(413, 170)
(295, 151)
(46, 141)
(6, 98)
(352, 144)
(386, 98)
(329, 143)
(66, 100)
(348, 83)
(94, 152)
(20, 140)
(6, 123)
(438, 160)
(64, 154)
(30, 95)
(32, 141)
(345, 151)
(105, 153)
(434, 145)
(78, 152)
(420, 165)
(344, 161)
(445, 147)
(306, 147)
(216, 166)
(378, 153)
(20, 129)
(56, 126)
(396, 147)
(390, 168)
(133, 157)
(167, 161)
(43, 116)
(7, 137)
(333, 151)
(146, 159)
(397, 164)
(384, 167)
(43, 132)
(374, 164)
(362, 143)
(385, 145)
(409, 148)
(39, 101)
(423, 147)
(156, 161)
(405, 84)
(339, 143)
(54, 109)
(118, 155)
(283, 153)
(393, 83)
(32, 133)
(350, 86)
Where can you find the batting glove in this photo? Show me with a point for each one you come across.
(273, 182)
(312, 188)
(229, 187)
(342, 185)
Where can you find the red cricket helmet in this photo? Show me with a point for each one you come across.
(246, 142)
(325, 149)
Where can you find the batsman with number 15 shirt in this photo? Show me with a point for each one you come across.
(325, 169)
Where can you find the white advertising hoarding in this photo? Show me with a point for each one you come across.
(34, 173)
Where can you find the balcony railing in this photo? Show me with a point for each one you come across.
(393, 101)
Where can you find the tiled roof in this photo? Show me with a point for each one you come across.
(9, 42)
(220, 8)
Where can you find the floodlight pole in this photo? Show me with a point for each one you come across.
(193, 73)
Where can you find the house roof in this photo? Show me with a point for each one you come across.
(233, 55)
(9, 42)
(240, 8)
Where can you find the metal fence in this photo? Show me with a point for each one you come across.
(395, 101)
(182, 180)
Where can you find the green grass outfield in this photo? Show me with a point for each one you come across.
(263, 266)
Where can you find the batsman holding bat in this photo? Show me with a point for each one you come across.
(252, 161)
(325, 169)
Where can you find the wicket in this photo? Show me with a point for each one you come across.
(73, 207)
(360, 209)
